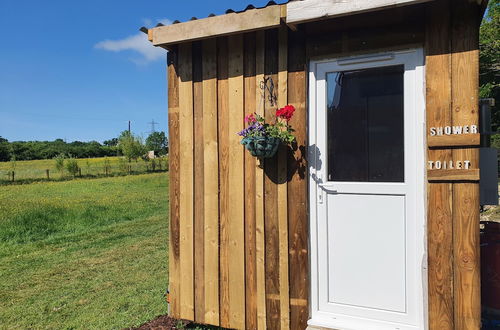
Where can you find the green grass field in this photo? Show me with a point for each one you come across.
(86, 254)
(31, 170)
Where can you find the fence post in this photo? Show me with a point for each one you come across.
(48, 174)
(80, 172)
(13, 175)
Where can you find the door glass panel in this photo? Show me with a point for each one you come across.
(366, 125)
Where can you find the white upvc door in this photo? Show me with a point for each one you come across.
(366, 157)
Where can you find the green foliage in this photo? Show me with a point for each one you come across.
(59, 163)
(4, 150)
(280, 129)
(72, 166)
(31, 150)
(157, 141)
(489, 58)
(131, 146)
(495, 141)
(111, 143)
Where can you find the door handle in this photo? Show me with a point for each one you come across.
(328, 188)
(324, 188)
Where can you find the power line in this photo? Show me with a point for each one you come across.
(153, 123)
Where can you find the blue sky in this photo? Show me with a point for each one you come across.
(79, 70)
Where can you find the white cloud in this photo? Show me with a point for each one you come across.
(137, 43)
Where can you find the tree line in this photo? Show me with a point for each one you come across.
(126, 144)
(489, 61)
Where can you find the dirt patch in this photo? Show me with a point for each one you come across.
(163, 322)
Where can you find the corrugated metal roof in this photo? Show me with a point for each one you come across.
(228, 11)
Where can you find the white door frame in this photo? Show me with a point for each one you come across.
(414, 153)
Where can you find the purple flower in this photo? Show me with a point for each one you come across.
(256, 129)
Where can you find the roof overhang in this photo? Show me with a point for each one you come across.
(271, 16)
(250, 20)
(313, 10)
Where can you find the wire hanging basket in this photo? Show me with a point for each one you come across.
(261, 146)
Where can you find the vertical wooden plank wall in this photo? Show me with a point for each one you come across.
(439, 222)
(465, 105)
(223, 109)
(199, 213)
(250, 189)
(174, 184)
(238, 245)
(186, 212)
(298, 222)
(211, 184)
(282, 184)
(271, 189)
(260, 51)
(453, 207)
(236, 191)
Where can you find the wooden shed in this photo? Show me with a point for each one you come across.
(370, 220)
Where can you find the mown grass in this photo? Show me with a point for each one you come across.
(27, 171)
(83, 254)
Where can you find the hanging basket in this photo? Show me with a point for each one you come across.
(261, 146)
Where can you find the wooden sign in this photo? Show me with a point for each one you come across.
(453, 136)
(449, 165)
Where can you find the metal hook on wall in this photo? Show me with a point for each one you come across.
(268, 85)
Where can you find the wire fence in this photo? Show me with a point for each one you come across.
(46, 170)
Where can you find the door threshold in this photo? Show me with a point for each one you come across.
(355, 324)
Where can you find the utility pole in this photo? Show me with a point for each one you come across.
(153, 123)
(129, 126)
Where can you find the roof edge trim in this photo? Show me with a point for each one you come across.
(312, 10)
(250, 20)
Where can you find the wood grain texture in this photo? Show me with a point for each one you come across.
(259, 187)
(174, 184)
(247, 21)
(465, 86)
(366, 33)
(271, 191)
(466, 251)
(463, 140)
(186, 182)
(282, 184)
(439, 221)
(298, 223)
(211, 182)
(236, 184)
(453, 175)
(250, 192)
(199, 195)
(223, 127)
(440, 256)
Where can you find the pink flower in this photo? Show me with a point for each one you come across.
(286, 112)
(250, 119)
